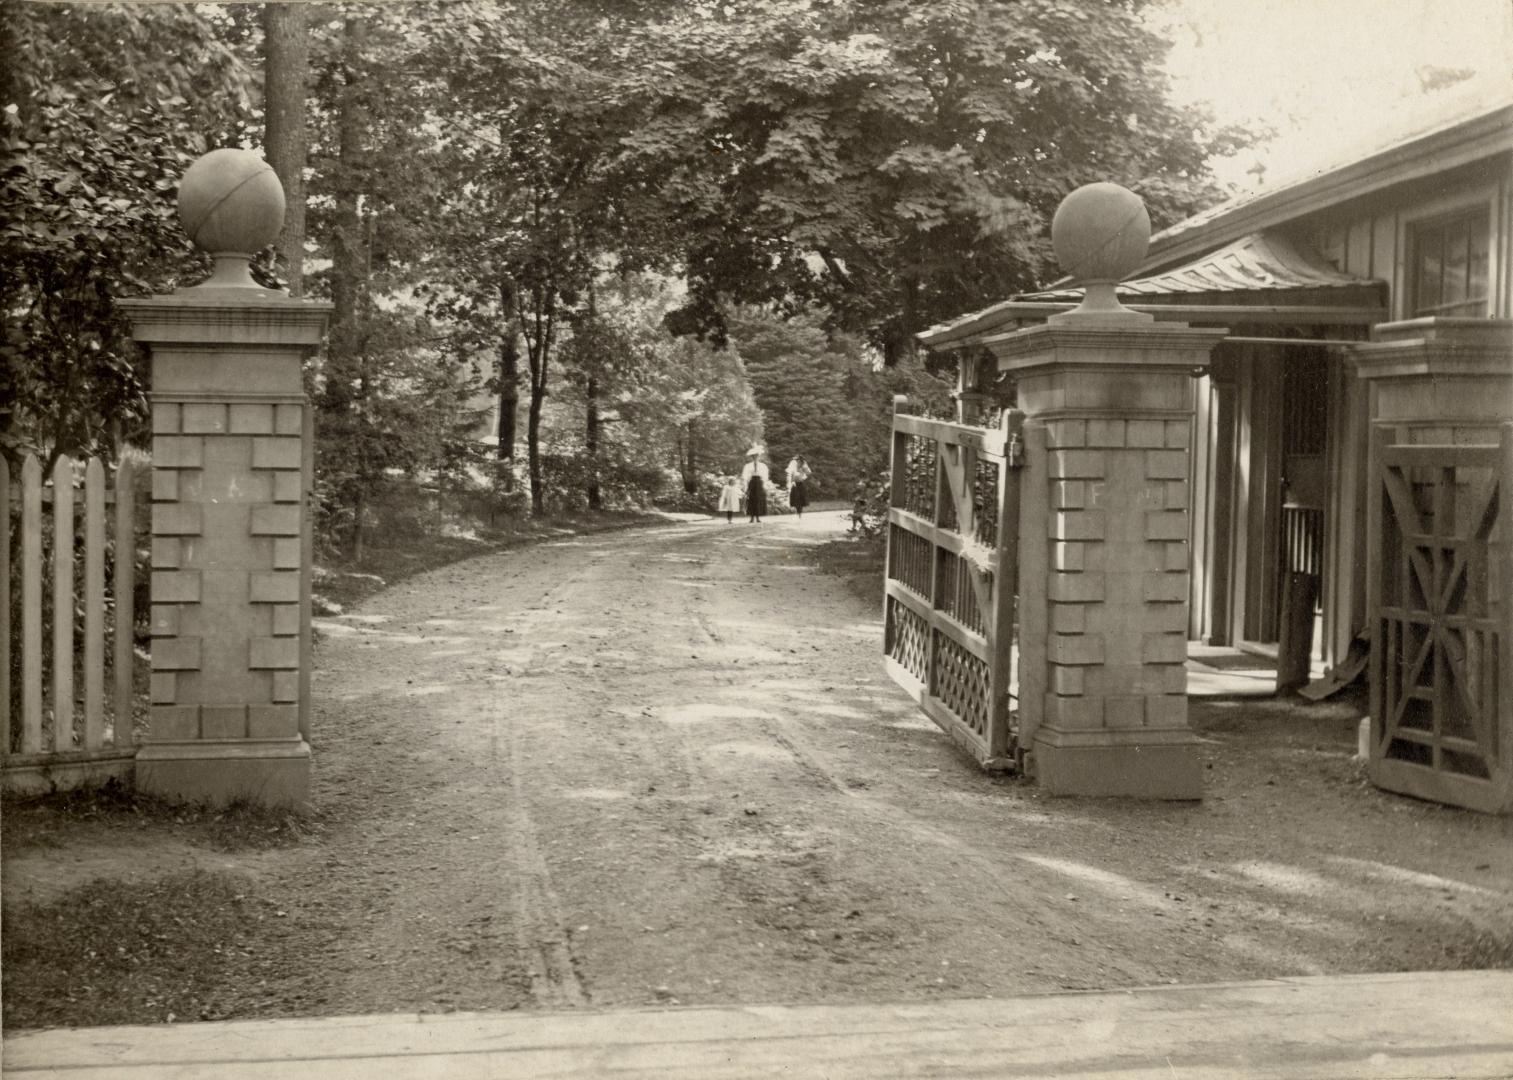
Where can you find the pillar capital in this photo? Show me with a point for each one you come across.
(1439, 370)
(190, 317)
(1129, 369)
(1095, 346)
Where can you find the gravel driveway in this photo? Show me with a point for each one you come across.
(665, 766)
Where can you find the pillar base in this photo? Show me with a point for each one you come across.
(1141, 764)
(271, 773)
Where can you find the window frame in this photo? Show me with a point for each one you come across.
(1436, 214)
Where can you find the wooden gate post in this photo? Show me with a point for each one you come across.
(1108, 401)
(231, 631)
(1441, 393)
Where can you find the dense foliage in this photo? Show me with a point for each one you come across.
(666, 230)
(104, 108)
(897, 161)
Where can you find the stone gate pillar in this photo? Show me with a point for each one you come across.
(1440, 590)
(230, 475)
(1108, 401)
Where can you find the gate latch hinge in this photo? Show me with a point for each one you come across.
(1016, 452)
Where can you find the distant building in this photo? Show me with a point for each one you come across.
(1415, 226)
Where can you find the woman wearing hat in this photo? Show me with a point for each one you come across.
(799, 473)
(754, 479)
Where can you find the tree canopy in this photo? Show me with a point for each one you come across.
(895, 161)
(501, 195)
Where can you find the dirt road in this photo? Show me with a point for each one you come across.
(665, 766)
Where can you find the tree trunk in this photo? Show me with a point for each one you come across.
(690, 471)
(538, 355)
(368, 475)
(591, 400)
(533, 451)
(905, 346)
(358, 511)
(286, 65)
(591, 439)
(509, 378)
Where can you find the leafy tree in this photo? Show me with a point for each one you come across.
(824, 395)
(372, 164)
(105, 107)
(801, 386)
(409, 412)
(896, 161)
(660, 401)
(538, 205)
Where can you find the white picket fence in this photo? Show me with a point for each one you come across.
(61, 731)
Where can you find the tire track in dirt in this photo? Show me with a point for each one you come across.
(540, 930)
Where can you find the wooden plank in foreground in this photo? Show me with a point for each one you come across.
(1436, 1024)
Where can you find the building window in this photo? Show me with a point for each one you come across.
(1450, 263)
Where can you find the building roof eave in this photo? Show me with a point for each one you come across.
(1462, 143)
(1257, 280)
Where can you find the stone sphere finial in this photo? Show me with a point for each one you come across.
(232, 205)
(1101, 233)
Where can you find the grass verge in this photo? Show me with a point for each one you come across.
(193, 945)
(857, 561)
(47, 821)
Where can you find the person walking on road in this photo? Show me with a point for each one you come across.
(799, 473)
(754, 477)
(730, 499)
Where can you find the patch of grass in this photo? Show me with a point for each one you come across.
(188, 946)
(45, 820)
(857, 561)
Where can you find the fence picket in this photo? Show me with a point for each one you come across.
(5, 610)
(31, 605)
(94, 604)
(123, 579)
(63, 603)
(51, 563)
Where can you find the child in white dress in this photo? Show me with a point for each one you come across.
(730, 499)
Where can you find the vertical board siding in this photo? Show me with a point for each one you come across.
(1358, 247)
(1239, 534)
(1200, 484)
(1502, 270)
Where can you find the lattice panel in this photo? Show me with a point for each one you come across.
(985, 500)
(962, 683)
(1439, 625)
(909, 559)
(954, 593)
(918, 496)
(908, 640)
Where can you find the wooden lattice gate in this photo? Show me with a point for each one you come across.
(949, 603)
(1441, 601)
